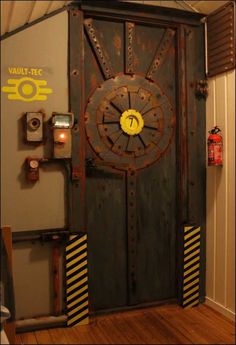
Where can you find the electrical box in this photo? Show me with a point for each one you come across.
(34, 127)
(32, 169)
(62, 125)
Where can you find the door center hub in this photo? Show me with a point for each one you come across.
(131, 122)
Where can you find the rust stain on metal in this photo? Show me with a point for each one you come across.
(117, 42)
(75, 173)
(161, 52)
(93, 81)
(98, 49)
(129, 49)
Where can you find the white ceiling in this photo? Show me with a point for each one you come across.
(206, 7)
(15, 14)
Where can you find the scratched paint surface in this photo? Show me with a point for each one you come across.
(137, 177)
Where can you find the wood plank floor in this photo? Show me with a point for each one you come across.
(169, 324)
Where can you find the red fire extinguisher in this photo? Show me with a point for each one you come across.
(215, 147)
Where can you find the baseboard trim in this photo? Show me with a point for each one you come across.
(220, 308)
(40, 323)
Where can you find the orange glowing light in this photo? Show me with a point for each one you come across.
(62, 136)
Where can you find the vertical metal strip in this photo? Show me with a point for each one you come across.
(182, 151)
(98, 49)
(56, 276)
(161, 52)
(77, 281)
(76, 75)
(191, 266)
(132, 236)
(129, 47)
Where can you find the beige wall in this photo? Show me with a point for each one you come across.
(220, 274)
(40, 205)
(27, 206)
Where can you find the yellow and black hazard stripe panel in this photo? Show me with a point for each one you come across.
(77, 280)
(191, 266)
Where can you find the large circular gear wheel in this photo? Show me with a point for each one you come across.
(129, 122)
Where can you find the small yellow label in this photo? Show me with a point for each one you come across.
(27, 89)
(131, 122)
(25, 71)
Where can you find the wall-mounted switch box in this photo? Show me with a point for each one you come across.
(62, 143)
(32, 169)
(34, 127)
(61, 125)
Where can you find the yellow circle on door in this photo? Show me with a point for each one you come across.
(131, 122)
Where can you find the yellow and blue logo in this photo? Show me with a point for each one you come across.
(27, 89)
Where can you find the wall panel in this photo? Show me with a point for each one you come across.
(40, 205)
(220, 283)
(230, 250)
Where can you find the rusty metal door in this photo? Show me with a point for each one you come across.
(130, 100)
(130, 114)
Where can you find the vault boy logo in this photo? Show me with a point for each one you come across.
(26, 89)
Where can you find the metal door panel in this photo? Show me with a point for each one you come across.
(131, 229)
(111, 37)
(146, 39)
(107, 255)
(136, 194)
(94, 78)
(156, 199)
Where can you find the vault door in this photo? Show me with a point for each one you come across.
(130, 161)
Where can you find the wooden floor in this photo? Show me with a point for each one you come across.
(157, 325)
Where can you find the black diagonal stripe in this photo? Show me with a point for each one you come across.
(192, 258)
(76, 255)
(84, 258)
(79, 295)
(78, 312)
(191, 251)
(78, 320)
(76, 281)
(191, 229)
(78, 246)
(192, 294)
(68, 294)
(78, 237)
(85, 299)
(190, 281)
(73, 240)
(197, 269)
(192, 244)
(76, 272)
(192, 237)
(190, 288)
(192, 301)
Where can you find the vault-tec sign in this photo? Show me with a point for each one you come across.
(25, 85)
